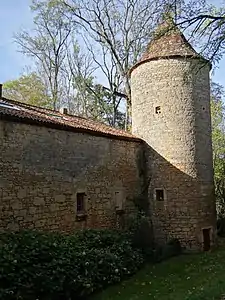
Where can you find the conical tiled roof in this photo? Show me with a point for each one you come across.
(168, 42)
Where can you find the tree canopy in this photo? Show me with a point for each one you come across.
(83, 50)
(28, 88)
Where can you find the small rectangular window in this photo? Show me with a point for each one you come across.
(159, 194)
(158, 110)
(119, 201)
(80, 202)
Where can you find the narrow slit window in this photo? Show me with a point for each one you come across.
(159, 195)
(80, 202)
(158, 110)
(119, 201)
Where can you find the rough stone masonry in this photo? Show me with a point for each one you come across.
(171, 113)
(62, 172)
(43, 169)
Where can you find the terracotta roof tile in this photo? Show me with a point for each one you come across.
(168, 41)
(50, 118)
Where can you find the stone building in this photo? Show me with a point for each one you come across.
(62, 172)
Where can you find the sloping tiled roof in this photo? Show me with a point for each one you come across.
(168, 41)
(23, 112)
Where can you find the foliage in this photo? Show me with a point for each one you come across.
(46, 44)
(218, 139)
(206, 23)
(65, 67)
(79, 46)
(140, 228)
(37, 265)
(115, 32)
(93, 238)
(188, 277)
(172, 248)
(55, 266)
(76, 45)
(203, 23)
(221, 226)
(95, 102)
(112, 34)
(29, 89)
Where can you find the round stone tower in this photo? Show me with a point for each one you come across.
(170, 93)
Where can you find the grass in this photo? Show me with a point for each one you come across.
(187, 277)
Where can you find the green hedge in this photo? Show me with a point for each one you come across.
(221, 227)
(55, 266)
(163, 252)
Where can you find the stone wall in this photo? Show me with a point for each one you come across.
(171, 113)
(43, 169)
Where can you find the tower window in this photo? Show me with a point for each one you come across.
(80, 202)
(158, 110)
(159, 194)
(119, 200)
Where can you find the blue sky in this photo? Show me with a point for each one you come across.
(16, 15)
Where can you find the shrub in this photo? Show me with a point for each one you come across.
(55, 266)
(140, 228)
(163, 252)
(95, 238)
(221, 227)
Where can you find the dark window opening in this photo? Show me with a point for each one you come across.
(80, 202)
(119, 202)
(158, 110)
(159, 195)
(206, 239)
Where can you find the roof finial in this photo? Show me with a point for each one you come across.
(168, 17)
(170, 13)
(166, 27)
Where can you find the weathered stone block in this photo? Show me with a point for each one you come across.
(60, 198)
(22, 194)
(39, 201)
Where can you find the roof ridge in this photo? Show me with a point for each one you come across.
(47, 117)
(19, 103)
(22, 103)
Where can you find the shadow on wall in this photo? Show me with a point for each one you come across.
(181, 205)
